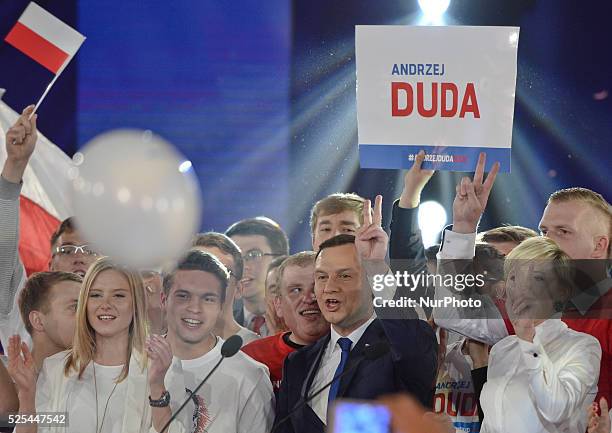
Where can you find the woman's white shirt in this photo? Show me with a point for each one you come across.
(544, 386)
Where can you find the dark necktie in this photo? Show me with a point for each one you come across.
(256, 324)
(345, 345)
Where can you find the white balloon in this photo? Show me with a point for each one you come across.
(135, 198)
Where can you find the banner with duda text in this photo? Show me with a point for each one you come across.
(448, 90)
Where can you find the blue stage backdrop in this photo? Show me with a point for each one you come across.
(212, 77)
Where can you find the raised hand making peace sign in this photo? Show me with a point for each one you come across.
(371, 240)
(472, 196)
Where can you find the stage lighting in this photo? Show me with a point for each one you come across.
(432, 219)
(185, 166)
(434, 9)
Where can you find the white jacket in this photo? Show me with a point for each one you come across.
(54, 389)
(544, 386)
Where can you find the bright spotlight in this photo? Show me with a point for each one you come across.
(185, 166)
(434, 9)
(432, 219)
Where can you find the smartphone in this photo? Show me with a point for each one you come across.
(359, 416)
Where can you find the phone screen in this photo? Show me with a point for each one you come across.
(354, 416)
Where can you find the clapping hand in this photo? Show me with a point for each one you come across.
(160, 357)
(21, 367)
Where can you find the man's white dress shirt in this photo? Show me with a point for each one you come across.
(329, 363)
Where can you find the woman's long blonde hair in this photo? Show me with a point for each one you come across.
(84, 341)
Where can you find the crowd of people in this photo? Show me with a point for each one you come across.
(120, 350)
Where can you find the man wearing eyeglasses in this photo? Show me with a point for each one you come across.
(260, 240)
(69, 253)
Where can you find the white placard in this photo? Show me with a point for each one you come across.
(448, 90)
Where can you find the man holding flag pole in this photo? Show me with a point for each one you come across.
(52, 44)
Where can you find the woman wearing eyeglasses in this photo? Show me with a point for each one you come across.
(102, 383)
(543, 378)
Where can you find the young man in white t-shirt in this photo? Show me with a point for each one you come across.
(238, 396)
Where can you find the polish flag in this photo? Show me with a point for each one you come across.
(44, 38)
(44, 195)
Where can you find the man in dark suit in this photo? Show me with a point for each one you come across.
(344, 267)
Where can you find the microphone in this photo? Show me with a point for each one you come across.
(370, 353)
(230, 347)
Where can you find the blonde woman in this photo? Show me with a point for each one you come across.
(543, 378)
(102, 383)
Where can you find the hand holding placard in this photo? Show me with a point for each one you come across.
(415, 180)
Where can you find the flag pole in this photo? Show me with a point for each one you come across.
(49, 86)
(45, 93)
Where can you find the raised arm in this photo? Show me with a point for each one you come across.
(406, 249)
(405, 241)
(20, 142)
(482, 323)
(413, 342)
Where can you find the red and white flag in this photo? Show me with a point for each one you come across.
(44, 38)
(44, 196)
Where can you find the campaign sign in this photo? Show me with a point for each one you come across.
(448, 90)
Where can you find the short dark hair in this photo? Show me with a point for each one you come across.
(516, 234)
(225, 244)
(35, 293)
(66, 226)
(336, 241)
(488, 261)
(263, 226)
(197, 260)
